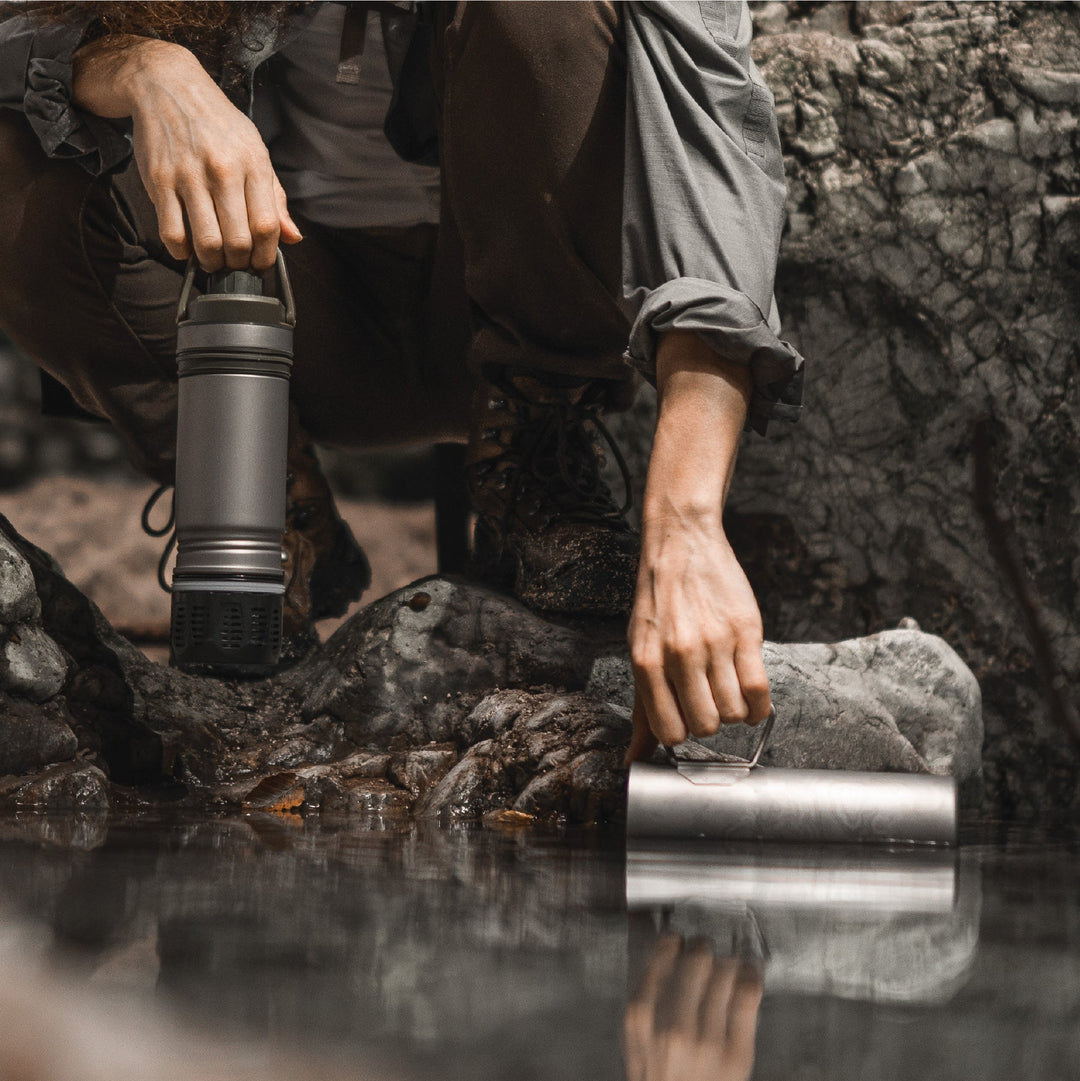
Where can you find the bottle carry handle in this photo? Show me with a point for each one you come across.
(283, 278)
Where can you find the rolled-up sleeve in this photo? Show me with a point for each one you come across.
(703, 200)
(35, 78)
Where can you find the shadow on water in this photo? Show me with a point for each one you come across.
(479, 952)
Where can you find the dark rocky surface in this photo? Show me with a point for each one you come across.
(441, 699)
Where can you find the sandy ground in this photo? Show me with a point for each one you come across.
(92, 528)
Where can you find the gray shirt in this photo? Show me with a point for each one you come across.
(329, 150)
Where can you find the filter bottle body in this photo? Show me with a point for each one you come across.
(234, 355)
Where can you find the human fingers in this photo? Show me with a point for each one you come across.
(731, 707)
(202, 225)
(659, 704)
(651, 688)
(743, 1013)
(230, 194)
(263, 219)
(640, 1019)
(642, 740)
(665, 957)
(753, 680)
(690, 980)
(689, 680)
(717, 999)
(171, 228)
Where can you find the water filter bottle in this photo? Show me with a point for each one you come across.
(234, 355)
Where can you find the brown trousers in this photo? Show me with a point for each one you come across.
(523, 270)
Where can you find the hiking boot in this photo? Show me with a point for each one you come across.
(325, 569)
(548, 528)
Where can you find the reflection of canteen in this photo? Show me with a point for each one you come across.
(234, 355)
(881, 924)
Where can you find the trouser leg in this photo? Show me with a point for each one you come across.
(532, 147)
(532, 143)
(80, 294)
(89, 292)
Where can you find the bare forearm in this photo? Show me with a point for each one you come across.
(113, 76)
(695, 632)
(703, 402)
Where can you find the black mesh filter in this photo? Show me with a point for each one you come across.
(224, 633)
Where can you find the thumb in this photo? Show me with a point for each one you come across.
(642, 740)
(290, 231)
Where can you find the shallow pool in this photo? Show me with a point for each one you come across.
(496, 952)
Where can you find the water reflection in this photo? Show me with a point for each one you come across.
(720, 924)
(871, 923)
(693, 1016)
(454, 952)
(481, 953)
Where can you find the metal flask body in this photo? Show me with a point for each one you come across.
(746, 802)
(234, 355)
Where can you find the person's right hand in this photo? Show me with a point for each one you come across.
(203, 163)
(694, 1017)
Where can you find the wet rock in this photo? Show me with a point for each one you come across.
(18, 597)
(416, 771)
(474, 787)
(465, 640)
(65, 786)
(557, 756)
(366, 764)
(33, 736)
(364, 797)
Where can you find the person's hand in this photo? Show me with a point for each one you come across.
(694, 1017)
(202, 161)
(695, 637)
(695, 633)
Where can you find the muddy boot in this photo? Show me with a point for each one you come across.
(325, 569)
(548, 528)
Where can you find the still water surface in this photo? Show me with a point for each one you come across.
(480, 953)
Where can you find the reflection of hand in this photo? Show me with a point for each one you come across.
(201, 159)
(694, 1017)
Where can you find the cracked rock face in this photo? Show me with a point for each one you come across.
(928, 276)
(462, 705)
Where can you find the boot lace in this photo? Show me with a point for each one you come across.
(550, 465)
(161, 531)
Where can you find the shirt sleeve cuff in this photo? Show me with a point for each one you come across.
(732, 324)
(63, 130)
